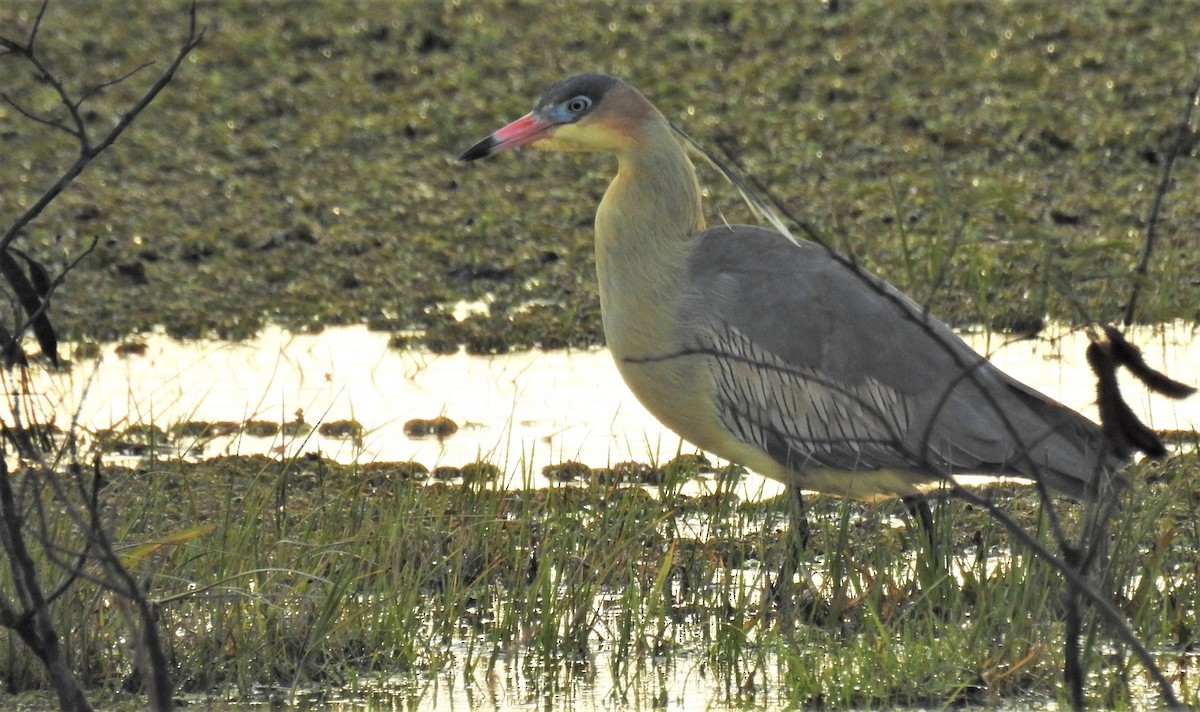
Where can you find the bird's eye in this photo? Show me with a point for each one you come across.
(578, 105)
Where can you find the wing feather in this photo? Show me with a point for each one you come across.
(822, 365)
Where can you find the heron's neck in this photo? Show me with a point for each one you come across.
(644, 230)
(655, 196)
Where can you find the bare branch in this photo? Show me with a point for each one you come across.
(87, 152)
(158, 684)
(35, 625)
(75, 569)
(37, 23)
(104, 85)
(1083, 587)
(64, 97)
(23, 519)
(34, 117)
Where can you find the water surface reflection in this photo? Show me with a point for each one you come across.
(521, 410)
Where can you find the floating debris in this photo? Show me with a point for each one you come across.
(202, 429)
(694, 464)
(480, 472)
(446, 472)
(297, 426)
(131, 348)
(439, 427)
(567, 471)
(341, 429)
(260, 428)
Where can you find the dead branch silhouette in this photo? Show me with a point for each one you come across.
(24, 517)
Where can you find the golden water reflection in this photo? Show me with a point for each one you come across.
(520, 411)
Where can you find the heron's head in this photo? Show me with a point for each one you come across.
(588, 112)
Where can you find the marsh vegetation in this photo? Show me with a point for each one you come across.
(996, 160)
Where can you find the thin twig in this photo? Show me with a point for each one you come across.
(112, 82)
(46, 75)
(37, 23)
(88, 152)
(57, 125)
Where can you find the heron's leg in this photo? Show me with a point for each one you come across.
(934, 567)
(797, 521)
(918, 508)
(786, 589)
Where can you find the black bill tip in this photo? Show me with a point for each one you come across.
(483, 149)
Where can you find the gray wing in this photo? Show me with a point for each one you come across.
(823, 366)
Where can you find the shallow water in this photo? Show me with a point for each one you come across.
(521, 411)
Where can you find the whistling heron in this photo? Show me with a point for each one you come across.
(773, 353)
